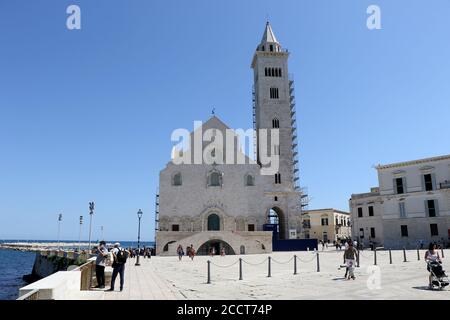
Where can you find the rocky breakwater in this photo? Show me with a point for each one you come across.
(49, 262)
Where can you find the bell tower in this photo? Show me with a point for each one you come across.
(274, 105)
(274, 108)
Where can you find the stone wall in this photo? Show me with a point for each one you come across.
(253, 242)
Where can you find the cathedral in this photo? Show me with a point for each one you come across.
(238, 207)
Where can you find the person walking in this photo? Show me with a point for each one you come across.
(120, 256)
(431, 256)
(100, 263)
(222, 252)
(192, 252)
(350, 254)
(180, 252)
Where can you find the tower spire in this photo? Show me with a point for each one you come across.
(269, 42)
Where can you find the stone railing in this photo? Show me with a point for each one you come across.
(63, 285)
(32, 295)
(87, 274)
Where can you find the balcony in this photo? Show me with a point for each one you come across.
(444, 185)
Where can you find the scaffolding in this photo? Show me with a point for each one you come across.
(255, 140)
(295, 154)
(156, 212)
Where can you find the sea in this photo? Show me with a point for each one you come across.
(15, 264)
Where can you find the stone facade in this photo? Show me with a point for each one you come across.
(218, 204)
(410, 208)
(328, 225)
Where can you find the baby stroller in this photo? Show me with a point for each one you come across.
(438, 277)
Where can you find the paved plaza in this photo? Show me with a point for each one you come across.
(167, 278)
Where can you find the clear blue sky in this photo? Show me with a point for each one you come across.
(87, 115)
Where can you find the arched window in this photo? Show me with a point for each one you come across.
(277, 178)
(275, 123)
(265, 72)
(177, 179)
(249, 180)
(242, 250)
(213, 222)
(215, 179)
(274, 93)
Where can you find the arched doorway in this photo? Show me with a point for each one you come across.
(213, 222)
(276, 217)
(217, 245)
(166, 246)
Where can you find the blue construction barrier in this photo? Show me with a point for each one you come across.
(289, 244)
(294, 244)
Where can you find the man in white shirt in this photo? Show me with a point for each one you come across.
(120, 255)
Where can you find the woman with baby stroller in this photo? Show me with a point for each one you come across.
(437, 277)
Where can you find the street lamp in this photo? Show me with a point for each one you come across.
(101, 229)
(79, 237)
(59, 228)
(139, 213)
(91, 213)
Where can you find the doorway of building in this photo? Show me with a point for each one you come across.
(213, 222)
(276, 218)
(215, 245)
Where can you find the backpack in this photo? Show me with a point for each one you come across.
(122, 256)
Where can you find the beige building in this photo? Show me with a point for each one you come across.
(326, 224)
(410, 208)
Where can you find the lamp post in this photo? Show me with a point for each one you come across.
(91, 213)
(139, 213)
(101, 229)
(59, 228)
(79, 237)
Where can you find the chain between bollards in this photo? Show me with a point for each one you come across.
(240, 268)
(209, 272)
(295, 264)
(269, 271)
(404, 254)
(390, 256)
(318, 262)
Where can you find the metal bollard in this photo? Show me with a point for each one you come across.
(418, 255)
(357, 260)
(269, 274)
(390, 256)
(295, 264)
(318, 262)
(442, 251)
(240, 268)
(374, 256)
(404, 254)
(209, 272)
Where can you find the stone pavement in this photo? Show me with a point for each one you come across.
(142, 283)
(167, 278)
